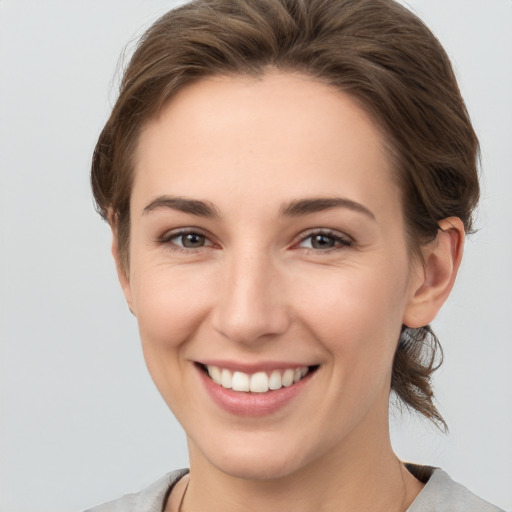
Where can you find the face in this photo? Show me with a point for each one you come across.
(268, 249)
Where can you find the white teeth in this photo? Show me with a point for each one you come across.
(275, 382)
(259, 382)
(240, 381)
(226, 379)
(215, 374)
(288, 377)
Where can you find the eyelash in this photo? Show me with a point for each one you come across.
(340, 241)
(167, 239)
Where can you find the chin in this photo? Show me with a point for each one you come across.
(256, 461)
(261, 470)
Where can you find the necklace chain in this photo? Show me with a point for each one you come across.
(180, 506)
(183, 496)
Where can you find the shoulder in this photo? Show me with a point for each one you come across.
(442, 494)
(150, 499)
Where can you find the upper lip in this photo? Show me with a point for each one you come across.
(262, 366)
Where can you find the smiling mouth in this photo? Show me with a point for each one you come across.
(259, 382)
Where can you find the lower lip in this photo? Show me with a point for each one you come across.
(252, 404)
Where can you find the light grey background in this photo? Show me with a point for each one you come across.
(81, 422)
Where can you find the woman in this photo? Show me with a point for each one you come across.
(288, 185)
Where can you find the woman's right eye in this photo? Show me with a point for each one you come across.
(186, 240)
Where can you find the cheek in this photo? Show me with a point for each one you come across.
(170, 303)
(356, 312)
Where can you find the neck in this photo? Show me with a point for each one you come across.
(365, 476)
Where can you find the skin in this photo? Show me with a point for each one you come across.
(256, 288)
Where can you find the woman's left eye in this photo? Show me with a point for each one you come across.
(324, 241)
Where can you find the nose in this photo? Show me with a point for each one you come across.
(251, 304)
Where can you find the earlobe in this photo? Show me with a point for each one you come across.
(122, 272)
(441, 261)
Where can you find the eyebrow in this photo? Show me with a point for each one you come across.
(193, 206)
(320, 204)
(292, 209)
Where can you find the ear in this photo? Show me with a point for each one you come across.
(122, 271)
(435, 275)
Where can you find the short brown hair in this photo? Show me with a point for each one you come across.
(375, 50)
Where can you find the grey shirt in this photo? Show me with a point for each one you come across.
(440, 494)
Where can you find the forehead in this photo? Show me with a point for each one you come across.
(280, 136)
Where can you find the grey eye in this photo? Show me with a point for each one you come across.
(190, 240)
(322, 241)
